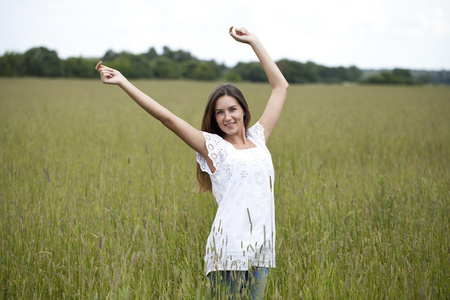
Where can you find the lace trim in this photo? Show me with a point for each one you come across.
(258, 131)
(215, 145)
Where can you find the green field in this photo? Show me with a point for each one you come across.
(97, 199)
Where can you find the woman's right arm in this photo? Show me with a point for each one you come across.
(190, 135)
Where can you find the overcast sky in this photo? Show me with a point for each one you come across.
(413, 34)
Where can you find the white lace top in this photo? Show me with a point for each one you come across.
(243, 231)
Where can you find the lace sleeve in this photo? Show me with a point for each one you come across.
(216, 152)
(258, 131)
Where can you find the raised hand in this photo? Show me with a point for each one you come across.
(109, 75)
(242, 35)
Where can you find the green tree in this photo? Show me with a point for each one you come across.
(130, 65)
(311, 71)
(166, 68)
(78, 67)
(110, 55)
(403, 74)
(151, 54)
(383, 78)
(11, 64)
(200, 70)
(188, 68)
(41, 61)
(232, 76)
(354, 74)
(296, 72)
(333, 74)
(250, 72)
(178, 56)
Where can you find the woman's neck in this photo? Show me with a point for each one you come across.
(240, 140)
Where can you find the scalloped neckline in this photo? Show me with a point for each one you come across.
(256, 145)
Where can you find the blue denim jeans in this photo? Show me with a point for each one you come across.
(238, 284)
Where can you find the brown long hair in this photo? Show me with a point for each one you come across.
(209, 123)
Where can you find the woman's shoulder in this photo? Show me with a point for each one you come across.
(213, 140)
(217, 152)
(257, 132)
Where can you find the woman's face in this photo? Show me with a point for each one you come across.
(229, 115)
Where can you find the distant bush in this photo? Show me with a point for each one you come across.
(397, 76)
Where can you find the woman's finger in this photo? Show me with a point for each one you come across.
(107, 68)
(108, 74)
(98, 66)
(241, 31)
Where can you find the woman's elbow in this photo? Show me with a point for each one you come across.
(282, 87)
(167, 121)
(285, 84)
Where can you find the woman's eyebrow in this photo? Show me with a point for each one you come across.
(232, 106)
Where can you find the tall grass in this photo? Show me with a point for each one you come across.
(98, 199)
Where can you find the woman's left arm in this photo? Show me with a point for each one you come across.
(277, 81)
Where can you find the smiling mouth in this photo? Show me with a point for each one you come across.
(230, 124)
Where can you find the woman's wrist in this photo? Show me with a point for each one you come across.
(123, 82)
(253, 41)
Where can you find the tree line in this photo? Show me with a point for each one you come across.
(179, 64)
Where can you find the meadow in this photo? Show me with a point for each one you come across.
(99, 201)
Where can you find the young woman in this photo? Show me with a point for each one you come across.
(235, 164)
